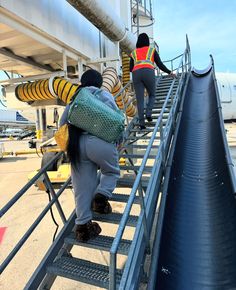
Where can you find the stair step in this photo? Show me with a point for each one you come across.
(119, 197)
(128, 182)
(137, 156)
(165, 89)
(159, 106)
(141, 146)
(142, 136)
(101, 242)
(115, 218)
(158, 110)
(156, 115)
(82, 271)
(162, 102)
(160, 97)
(144, 130)
(166, 80)
(135, 168)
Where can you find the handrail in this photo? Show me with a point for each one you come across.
(139, 175)
(123, 89)
(124, 104)
(173, 58)
(21, 192)
(187, 53)
(33, 227)
(55, 196)
(114, 248)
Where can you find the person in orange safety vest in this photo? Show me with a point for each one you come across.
(142, 61)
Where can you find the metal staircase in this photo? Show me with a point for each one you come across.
(137, 193)
(94, 273)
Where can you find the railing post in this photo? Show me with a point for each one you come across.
(143, 207)
(112, 272)
(162, 144)
(125, 107)
(171, 96)
(52, 191)
(145, 227)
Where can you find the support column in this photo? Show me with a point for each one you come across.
(44, 123)
(65, 63)
(37, 124)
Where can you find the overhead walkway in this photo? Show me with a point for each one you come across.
(128, 238)
(195, 239)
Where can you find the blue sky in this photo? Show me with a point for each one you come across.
(209, 24)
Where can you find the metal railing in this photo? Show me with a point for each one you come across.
(125, 105)
(141, 237)
(42, 174)
(140, 8)
(172, 63)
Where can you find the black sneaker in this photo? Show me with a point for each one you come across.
(101, 205)
(87, 231)
(149, 119)
(142, 127)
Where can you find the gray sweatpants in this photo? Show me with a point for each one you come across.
(144, 78)
(94, 153)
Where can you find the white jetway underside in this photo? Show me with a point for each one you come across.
(24, 55)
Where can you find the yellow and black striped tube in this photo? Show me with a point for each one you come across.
(42, 90)
(125, 68)
(63, 89)
(110, 79)
(112, 84)
(34, 91)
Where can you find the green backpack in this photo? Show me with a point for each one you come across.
(89, 113)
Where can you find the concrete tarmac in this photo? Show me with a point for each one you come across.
(13, 176)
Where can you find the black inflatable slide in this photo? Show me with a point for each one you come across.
(197, 249)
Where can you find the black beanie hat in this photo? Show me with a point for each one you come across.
(91, 78)
(143, 40)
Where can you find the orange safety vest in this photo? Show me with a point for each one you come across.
(143, 57)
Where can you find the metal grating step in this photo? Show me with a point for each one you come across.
(120, 197)
(166, 87)
(114, 218)
(144, 130)
(158, 110)
(161, 102)
(128, 182)
(142, 136)
(137, 156)
(160, 97)
(135, 168)
(83, 271)
(136, 146)
(164, 91)
(160, 105)
(101, 242)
